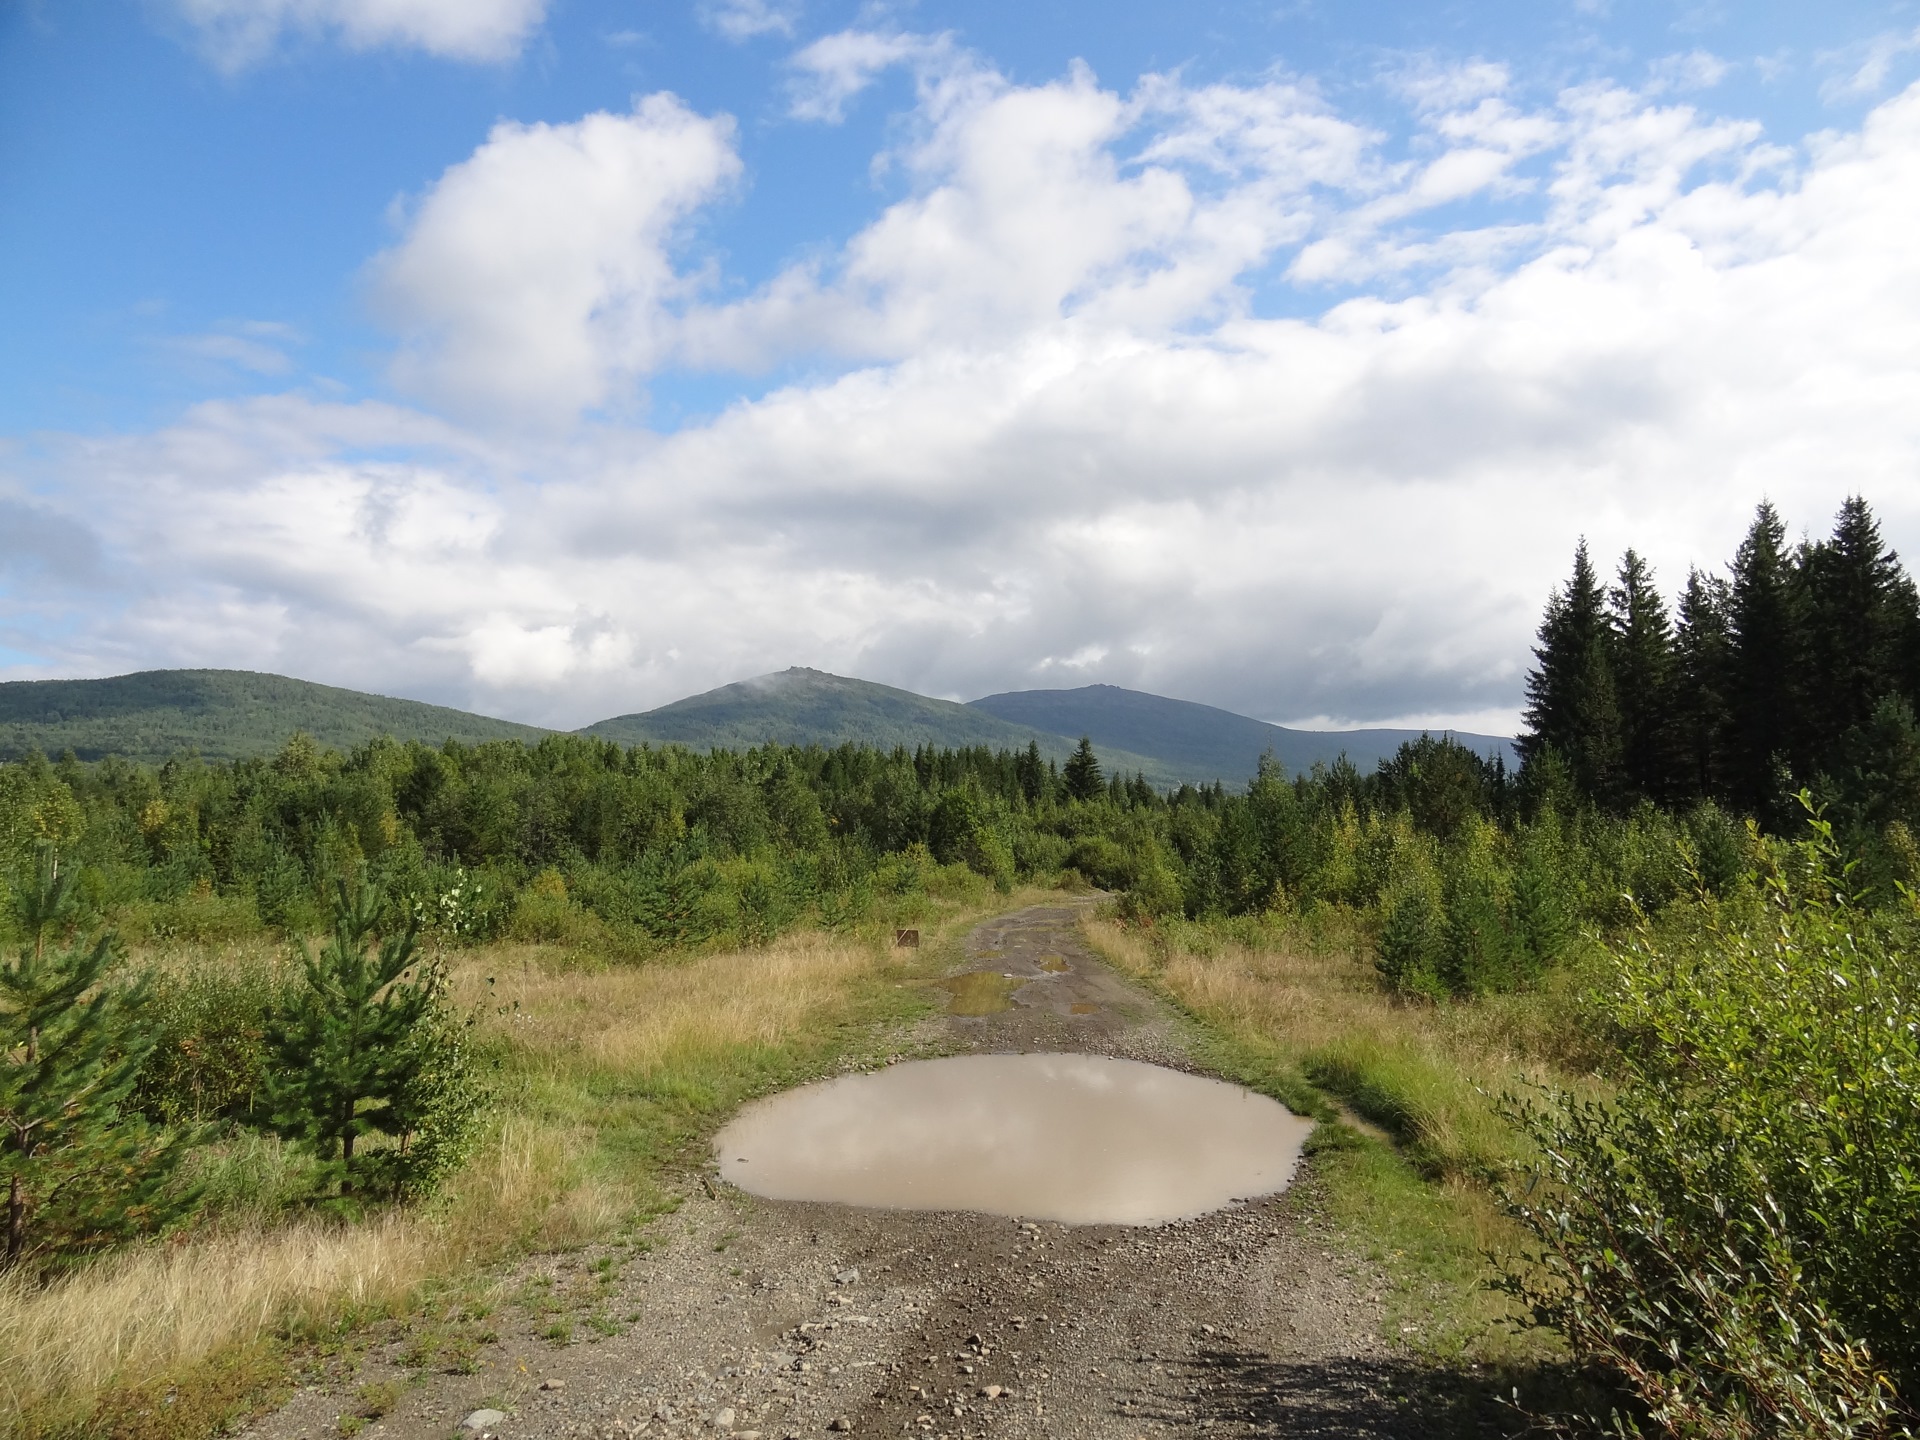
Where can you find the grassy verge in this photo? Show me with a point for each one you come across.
(1300, 1014)
(610, 1077)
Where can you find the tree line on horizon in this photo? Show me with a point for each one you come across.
(1797, 668)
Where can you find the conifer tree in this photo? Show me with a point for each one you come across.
(1701, 677)
(1643, 665)
(1861, 608)
(1571, 703)
(1767, 659)
(1084, 780)
(344, 1054)
(80, 1167)
(1032, 774)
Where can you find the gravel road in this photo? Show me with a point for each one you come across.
(764, 1320)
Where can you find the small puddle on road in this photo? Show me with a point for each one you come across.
(980, 992)
(1083, 1139)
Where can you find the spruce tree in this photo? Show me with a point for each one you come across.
(1860, 609)
(1084, 780)
(344, 1054)
(1643, 666)
(1031, 772)
(1572, 708)
(81, 1168)
(1701, 676)
(1767, 665)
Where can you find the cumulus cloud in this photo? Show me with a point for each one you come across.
(237, 33)
(536, 273)
(1068, 440)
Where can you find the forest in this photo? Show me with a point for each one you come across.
(1707, 858)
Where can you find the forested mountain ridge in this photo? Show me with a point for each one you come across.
(799, 706)
(1202, 742)
(153, 715)
(232, 714)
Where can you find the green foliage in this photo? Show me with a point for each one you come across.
(365, 1047)
(1736, 1231)
(81, 1167)
(207, 1025)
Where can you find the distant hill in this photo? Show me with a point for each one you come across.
(230, 714)
(223, 714)
(1199, 742)
(810, 707)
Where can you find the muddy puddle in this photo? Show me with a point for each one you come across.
(1083, 1139)
(980, 992)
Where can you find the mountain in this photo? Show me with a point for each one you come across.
(229, 714)
(223, 714)
(1198, 742)
(811, 707)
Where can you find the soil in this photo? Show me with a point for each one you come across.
(766, 1320)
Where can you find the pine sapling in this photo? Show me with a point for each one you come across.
(81, 1167)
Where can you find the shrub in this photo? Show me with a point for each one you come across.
(1736, 1233)
(208, 1026)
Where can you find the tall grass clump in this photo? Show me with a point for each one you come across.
(1734, 1234)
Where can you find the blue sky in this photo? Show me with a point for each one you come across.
(559, 358)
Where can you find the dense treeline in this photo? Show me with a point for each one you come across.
(1799, 667)
(1474, 878)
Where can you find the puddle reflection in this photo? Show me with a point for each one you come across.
(1076, 1138)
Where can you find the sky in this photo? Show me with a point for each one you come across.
(556, 359)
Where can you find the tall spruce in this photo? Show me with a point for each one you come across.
(1702, 719)
(344, 1054)
(1572, 706)
(1643, 672)
(1861, 610)
(1767, 663)
(81, 1167)
(1083, 777)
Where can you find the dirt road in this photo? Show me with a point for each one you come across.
(769, 1319)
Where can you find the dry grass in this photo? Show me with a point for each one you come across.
(1424, 1072)
(158, 1310)
(671, 1015)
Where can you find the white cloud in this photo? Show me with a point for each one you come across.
(236, 33)
(1863, 71)
(835, 68)
(536, 273)
(740, 20)
(1069, 445)
(1693, 70)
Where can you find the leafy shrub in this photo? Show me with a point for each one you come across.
(208, 1026)
(1736, 1233)
(199, 915)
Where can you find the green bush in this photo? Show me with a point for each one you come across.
(208, 1024)
(1736, 1233)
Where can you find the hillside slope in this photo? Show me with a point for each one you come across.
(1200, 742)
(810, 707)
(223, 714)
